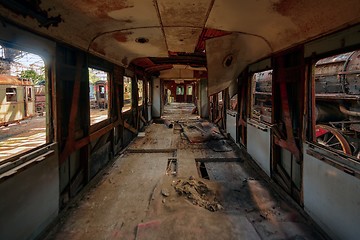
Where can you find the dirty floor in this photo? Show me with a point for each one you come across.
(166, 187)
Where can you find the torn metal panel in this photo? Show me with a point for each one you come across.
(182, 39)
(207, 34)
(228, 55)
(183, 12)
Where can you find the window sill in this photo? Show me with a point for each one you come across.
(337, 160)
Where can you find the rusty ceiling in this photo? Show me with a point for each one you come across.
(195, 33)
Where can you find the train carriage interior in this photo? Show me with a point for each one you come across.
(179, 119)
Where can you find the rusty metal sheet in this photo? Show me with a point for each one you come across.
(13, 80)
(183, 12)
(228, 55)
(334, 59)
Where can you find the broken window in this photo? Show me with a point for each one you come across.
(127, 93)
(336, 111)
(261, 96)
(22, 123)
(140, 91)
(11, 95)
(98, 95)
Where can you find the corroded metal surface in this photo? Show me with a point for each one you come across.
(13, 80)
(110, 28)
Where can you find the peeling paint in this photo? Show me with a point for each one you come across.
(122, 36)
(32, 9)
(101, 8)
(183, 12)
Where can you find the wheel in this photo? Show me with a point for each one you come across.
(332, 138)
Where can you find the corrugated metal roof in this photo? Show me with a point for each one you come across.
(13, 80)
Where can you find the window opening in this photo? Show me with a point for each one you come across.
(337, 107)
(11, 95)
(180, 90)
(140, 91)
(220, 98)
(127, 94)
(98, 95)
(148, 92)
(261, 96)
(189, 90)
(22, 108)
(233, 103)
(29, 94)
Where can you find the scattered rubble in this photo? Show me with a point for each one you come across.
(198, 193)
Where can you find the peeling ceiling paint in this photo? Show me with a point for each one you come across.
(186, 13)
(109, 28)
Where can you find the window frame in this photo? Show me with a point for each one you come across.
(327, 152)
(125, 107)
(7, 93)
(107, 97)
(140, 101)
(253, 92)
(50, 127)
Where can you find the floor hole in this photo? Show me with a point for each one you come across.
(202, 170)
(171, 168)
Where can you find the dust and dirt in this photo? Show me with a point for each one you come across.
(198, 193)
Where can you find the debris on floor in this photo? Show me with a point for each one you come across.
(198, 193)
(177, 128)
(202, 132)
(219, 145)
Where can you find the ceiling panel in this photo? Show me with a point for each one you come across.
(183, 12)
(122, 46)
(182, 39)
(283, 22)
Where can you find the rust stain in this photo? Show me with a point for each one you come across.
(122, 36)
(94, 46)
(286, 7)
(13, 80)
(125, 61)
